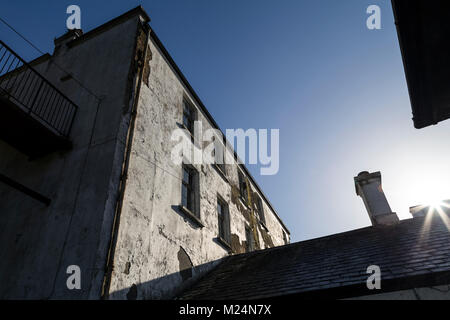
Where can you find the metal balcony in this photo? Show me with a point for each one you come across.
(35, 117)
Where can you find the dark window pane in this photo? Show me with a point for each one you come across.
(186, 176)
(186, 121)
(223, 220)
(186, 108)
(184, 195)
(261, 210)
(244, 190)
(221, 233)
(242, 186)
(219, 208)
(191, 201)
(188, 116)
(249, 238)
(189, 189)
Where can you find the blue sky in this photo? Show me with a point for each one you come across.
(312, 69)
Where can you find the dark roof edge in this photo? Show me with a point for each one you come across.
(426, 279)
(40, 59)
(402, 53)
(139, 10)
(211, 119)
(413, 98)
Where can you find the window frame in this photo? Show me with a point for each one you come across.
(249, 239)
(193, 189)
(260, 211)
(188, 201)
(223, 224)
(221, 168)
(192, 117)
(243, 182)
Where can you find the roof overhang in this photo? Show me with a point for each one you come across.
(423, 31)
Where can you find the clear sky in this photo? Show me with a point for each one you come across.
(312, 69)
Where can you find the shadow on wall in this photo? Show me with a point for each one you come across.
(169, 286)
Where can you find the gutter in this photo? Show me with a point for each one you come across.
(123, 178)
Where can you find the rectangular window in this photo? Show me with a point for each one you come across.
(224, 220)
(243, 187)
(260, 210)
(189, 117)
(219, 155)
(189, 189)
(249, 239)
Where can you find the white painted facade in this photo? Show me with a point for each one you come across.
(122, 228)
(153, 230)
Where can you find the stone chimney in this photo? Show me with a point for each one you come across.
(368, 187)
(419, 211)
(65, 38)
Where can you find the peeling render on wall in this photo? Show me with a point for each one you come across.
(146, 73)
(236, 245)
(150, 249)
(249, 213)
(169, 249)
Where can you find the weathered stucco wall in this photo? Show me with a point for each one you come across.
(156, 241)
(38, 243)
(159, 250)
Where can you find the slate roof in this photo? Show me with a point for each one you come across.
(413, 253)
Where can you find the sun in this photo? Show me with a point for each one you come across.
(435, 204)
(432, 194)
(439, 207)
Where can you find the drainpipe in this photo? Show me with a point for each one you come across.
(123, 178)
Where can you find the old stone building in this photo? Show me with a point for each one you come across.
(87, 178)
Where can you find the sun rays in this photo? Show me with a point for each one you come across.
(439, 207)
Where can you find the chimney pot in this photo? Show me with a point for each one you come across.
(70, 35)
(368, 187)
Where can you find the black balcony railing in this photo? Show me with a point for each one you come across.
(25, 87)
